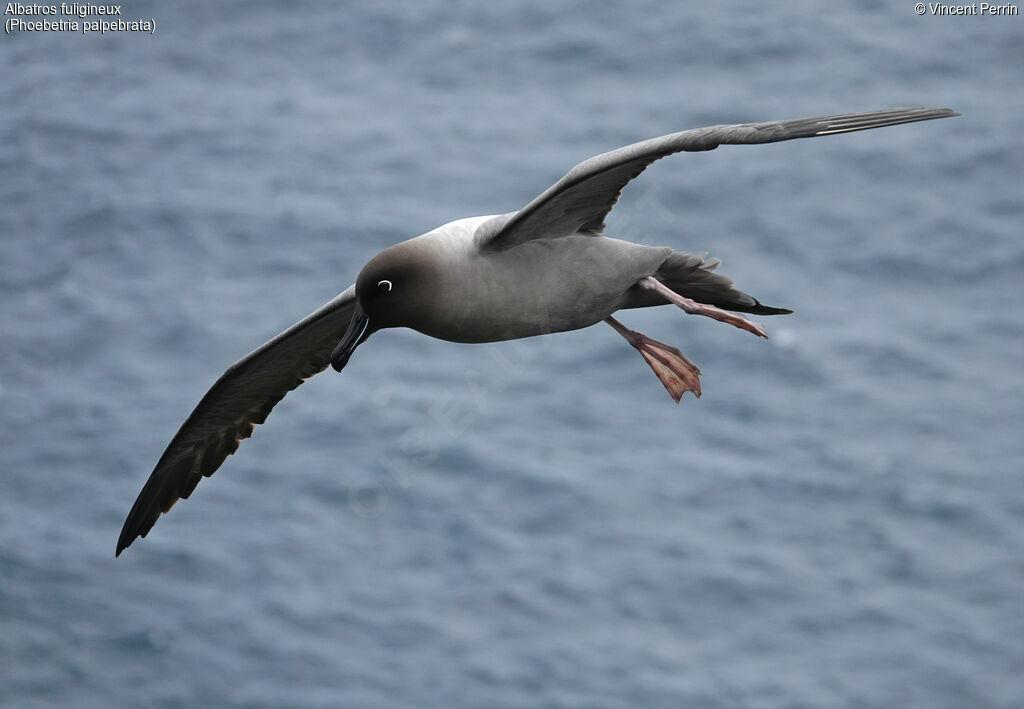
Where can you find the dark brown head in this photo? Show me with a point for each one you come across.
(391, 291)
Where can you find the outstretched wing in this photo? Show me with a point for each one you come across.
(581, 200)
(240, 399)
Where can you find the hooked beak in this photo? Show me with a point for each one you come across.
(358, 331)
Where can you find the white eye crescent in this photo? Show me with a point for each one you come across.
(384, 286)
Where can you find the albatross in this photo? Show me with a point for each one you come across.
(547, 268)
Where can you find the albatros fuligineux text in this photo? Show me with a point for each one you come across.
(546, 268)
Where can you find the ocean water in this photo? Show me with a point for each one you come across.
(838, 522)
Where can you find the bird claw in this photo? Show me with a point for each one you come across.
(695, 308)
(678, 374)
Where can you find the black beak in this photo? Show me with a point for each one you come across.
(358, 331)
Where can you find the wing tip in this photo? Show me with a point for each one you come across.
(852, 122)
(123, 543)
(129, 533)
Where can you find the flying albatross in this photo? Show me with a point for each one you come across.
(546, 268)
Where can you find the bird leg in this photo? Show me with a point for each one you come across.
(695, 308)
(678, 374)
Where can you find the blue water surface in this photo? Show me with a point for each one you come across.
(838, 522)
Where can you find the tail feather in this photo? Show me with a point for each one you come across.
(693, 276)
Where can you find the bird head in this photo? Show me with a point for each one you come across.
(391, 291)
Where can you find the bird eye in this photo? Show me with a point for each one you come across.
(384, 286)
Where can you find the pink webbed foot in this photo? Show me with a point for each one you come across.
(695, 308)
(673, 369)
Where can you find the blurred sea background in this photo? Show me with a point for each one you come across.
(838, 522)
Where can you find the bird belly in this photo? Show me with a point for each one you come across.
(540, 287)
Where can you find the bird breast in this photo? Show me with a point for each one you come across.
(538, 287)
